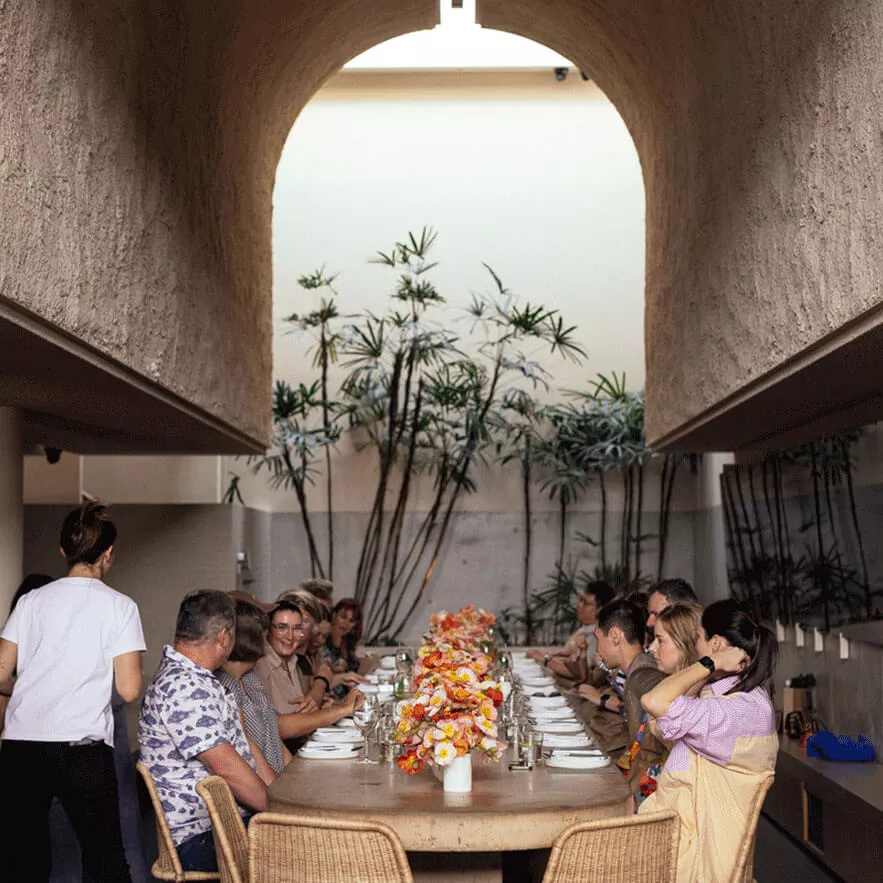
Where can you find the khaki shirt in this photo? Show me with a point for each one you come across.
(282, 679)
(642, 676)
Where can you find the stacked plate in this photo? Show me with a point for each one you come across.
(566, 740)
(338, 736)
(329, 751)
(578, 761)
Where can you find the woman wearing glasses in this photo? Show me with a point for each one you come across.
(279, 673)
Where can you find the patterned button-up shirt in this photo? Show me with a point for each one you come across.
(185, 711)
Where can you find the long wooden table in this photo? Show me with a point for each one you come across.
(506, 811)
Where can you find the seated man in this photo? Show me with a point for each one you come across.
(577, 658)
(665, 593)
(189, 728)
(620, 633)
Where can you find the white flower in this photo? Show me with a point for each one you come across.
(444, 753)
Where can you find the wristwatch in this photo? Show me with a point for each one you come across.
(546, 660)
(602, 704)
(708, 662)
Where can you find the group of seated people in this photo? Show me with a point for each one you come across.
(681, 697)
(237, 693)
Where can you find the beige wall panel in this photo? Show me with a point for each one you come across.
(153, 479)
(52, 482)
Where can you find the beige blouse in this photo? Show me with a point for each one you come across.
(724, 749)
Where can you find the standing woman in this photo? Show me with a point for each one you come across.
(72, 641)
(725, 741)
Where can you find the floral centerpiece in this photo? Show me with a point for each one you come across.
(454, 710)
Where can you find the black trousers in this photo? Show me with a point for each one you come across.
(83, 779)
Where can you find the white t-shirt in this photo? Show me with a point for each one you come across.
(68, 633)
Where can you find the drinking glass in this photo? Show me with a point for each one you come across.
(364, 718)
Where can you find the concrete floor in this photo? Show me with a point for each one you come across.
(780, 859)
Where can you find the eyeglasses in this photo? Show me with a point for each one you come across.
(282, 628)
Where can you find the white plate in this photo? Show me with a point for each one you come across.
(343, 737)
(532, 681)
(368, 688)
(346, 723)
(577, 762)
(545, 702)
(388, 662)
(561, 727)
(542, 692)
(553, 714)
(567, 740)
(338, 753)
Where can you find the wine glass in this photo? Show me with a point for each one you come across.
(363, 718)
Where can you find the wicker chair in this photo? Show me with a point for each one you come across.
(231, 841)
(744, 870)
(632, 849)
(167, 865)
(308, 849)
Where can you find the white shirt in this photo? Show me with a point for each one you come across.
(68, 633)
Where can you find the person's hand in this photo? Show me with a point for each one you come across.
(730, 660)
(536, 655)
(303, 704)
(587, 691)
(348, 679)
(355, 699)
(579, 641)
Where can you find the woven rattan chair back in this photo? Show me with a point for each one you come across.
(167, 865)
(744, 870)
(231, 841)
(631, 849)
(307, 849)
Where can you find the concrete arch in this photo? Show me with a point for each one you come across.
(138, 178)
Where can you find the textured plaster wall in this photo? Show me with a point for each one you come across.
(757, 125)
(141, 141)
(140, 145)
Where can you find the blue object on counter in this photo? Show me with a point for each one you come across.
(832, 746)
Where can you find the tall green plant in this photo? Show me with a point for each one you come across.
(321, 325)
(447, 429)
(295, 444)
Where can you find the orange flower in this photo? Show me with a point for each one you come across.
(410, 762)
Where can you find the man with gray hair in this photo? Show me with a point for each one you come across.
(190, 728)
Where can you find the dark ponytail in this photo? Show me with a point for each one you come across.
(730, 620)
(87, 533)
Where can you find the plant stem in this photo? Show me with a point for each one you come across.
(528, 536)
(855, 524)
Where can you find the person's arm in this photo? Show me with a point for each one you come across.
(286, 755)
(225, 761)
(265, 771)
(127, 675)
(8, 660)
(605, 699)
(293, 725)
(658, 700)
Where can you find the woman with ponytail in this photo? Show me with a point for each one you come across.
(718, 713)
(72, 642)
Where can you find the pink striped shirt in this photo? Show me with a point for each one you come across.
(711, 723)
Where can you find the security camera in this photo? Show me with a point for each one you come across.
(53, 455)
(560, 74)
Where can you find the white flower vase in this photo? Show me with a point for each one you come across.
(457, 775)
